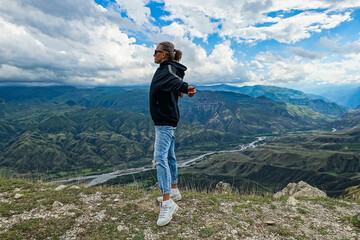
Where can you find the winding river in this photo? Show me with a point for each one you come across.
(94, 180)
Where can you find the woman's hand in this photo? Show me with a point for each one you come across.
(191, 91)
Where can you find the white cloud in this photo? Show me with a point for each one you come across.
(136, 10)
(86, 48)
(80, 42)
(304, 72)
(350, 48)
(307, 54)
(174, 29)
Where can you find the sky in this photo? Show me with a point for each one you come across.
(303, 44)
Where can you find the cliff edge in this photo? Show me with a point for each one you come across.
(40, 211)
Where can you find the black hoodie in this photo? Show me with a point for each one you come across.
(164, 92)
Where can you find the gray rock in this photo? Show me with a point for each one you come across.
(18, 195)
(301, 189)
(292, 201)
(270, 223)
(223, 188)
(57, 204)
(59, 188)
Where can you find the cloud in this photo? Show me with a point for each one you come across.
(307, 54)
(219, 66)
(90, 47)
(136, 10)
(75, 42)
(80, 42)
(284, 71)
(249, 21)
(349, 48)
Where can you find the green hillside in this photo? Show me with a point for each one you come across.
(287, 95)
(73, 139)
(329, 161)
(244, 115)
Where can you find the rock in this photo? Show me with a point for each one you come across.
(269, 223)
(116, 200)
(348, 228)
(223, 188)
(18, 195)
(292, 201)
(301, 189)
(74, 187)
(17, 189)
(57, 204)
(120, 228)
(59, 188)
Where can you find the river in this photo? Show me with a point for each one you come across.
(94, 180)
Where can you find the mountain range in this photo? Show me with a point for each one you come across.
(60, 131)
(315, 102)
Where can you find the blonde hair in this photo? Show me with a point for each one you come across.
(173, 54)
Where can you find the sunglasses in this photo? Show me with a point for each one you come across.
(156, 51)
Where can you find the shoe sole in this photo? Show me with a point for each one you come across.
(167, 222)
(174, 199)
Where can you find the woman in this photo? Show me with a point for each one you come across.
(164, 92)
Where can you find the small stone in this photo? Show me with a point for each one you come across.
(234, 232)
(113, 218)
(59, 188)
(116, 200)
(18, 195)
(74, 187)
(57, 204)
(292, 201)
(17, 189)
(348, 228)
(269, 222)
(120, 228)
(353, 238)
(223, 188)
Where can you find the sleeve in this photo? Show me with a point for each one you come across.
(173, 82)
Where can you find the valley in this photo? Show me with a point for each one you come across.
(65, 132)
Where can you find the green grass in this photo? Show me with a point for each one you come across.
(207, 231)
(39, 228)
(202, 214)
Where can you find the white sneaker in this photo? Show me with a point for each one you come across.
(166, 212)
(174, 195)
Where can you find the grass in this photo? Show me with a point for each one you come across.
(207, 231)
(91, 215)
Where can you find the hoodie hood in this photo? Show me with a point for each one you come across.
(178, 66)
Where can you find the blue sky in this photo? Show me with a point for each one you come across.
(301, 44)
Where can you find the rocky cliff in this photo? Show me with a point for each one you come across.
(39, 211)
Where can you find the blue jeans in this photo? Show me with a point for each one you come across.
(164, 157)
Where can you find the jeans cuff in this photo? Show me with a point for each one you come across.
(166, 192)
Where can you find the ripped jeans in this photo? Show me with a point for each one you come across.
(164, 157)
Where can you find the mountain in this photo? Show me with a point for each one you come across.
(348, 120)
(295, 97)
(89, 138)
(245, 115)
(329, 161)
(346, 96)
(272, 92)
(34, 94)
